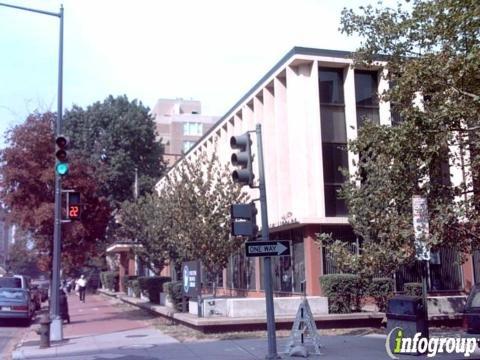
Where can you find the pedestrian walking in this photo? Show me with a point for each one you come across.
(82, 287)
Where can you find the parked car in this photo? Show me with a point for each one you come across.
(471, 313)
(15, 303)
(22, 282)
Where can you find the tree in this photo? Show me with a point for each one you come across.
(190, 217)
(200, 193)
(432, 56)
(144, 222)
(27, 190)
(124, 133)
(22, 255)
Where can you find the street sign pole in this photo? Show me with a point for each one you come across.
(267, 275)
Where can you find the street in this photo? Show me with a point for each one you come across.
(9, 330)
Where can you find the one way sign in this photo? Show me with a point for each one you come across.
(267, 248)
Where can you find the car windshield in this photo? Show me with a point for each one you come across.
(12, 294)
(10, 282)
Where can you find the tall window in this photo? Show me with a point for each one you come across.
(366, 87)
(334, 138)
(288, 272)
(192, 129)
(241, 271)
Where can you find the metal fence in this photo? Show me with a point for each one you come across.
(444, 270)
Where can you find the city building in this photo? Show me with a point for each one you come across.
(309, 105)
(180, 124)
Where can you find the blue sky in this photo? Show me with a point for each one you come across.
(209, 50)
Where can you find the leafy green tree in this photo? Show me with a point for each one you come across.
(189, 219)
(122, 133)
(432, 56)
(145, 223)
(22, 255)
(27, 190)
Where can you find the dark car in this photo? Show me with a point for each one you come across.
(15, 303)
(471, 312)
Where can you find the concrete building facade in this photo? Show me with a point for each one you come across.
(310, 104)
(180, 124)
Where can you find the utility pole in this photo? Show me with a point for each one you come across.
(246, 214)
(56, 332)
(267, 261)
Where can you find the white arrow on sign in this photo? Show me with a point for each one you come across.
(273, 248)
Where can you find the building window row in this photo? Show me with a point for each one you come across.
(192, 129)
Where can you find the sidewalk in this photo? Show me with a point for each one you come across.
(99, 330)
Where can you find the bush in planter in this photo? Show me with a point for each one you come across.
(126, 281)
(110, 280)
(135, 287)
(381, 289)
(152, 286)
(174, 292)
(344, 292)
(413, 289)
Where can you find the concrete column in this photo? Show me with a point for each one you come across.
(313, 262)
(384, 107)
(468, 274)
(122, 269)
(350, 113)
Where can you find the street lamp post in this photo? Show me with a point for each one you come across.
(56, 331)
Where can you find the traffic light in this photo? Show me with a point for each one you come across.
(243, 159)
(61, 166)
(73, 205)
(243, 217)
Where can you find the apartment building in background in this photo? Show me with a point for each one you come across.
(180, 124)
(310, 104)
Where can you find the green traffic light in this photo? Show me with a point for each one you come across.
(62, 168)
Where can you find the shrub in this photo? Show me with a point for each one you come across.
(152, 286)
(344, 292)
(135, 287)
(174, 291)
(381, 289)
(413, 289)
(126, 280)
(110, 280)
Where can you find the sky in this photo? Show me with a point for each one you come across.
(208, 50)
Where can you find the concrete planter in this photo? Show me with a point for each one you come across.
(165, 300)
(255, 307)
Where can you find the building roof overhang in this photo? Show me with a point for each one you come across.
(122, 247)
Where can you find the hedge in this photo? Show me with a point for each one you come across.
(153, 285)
(174, 291)
(413, 289)
(126, 280)
(110, 280)
(344, 292)
(135, 287)
(381, 289)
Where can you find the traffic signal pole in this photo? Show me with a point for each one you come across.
(56, 325)
(267, 261)
(56, 330)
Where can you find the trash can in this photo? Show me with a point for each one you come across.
(471, 313)
(408, 313)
